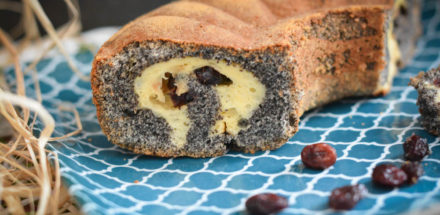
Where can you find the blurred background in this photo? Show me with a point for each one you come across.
(94, 13)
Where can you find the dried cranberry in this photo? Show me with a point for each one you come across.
(318, 156)
(345, 198)
(266, 203)
(389, 175)
(415, 148)
(209, 76)
(413, 170)
(170, 84)
(169, 87)
(183, 99)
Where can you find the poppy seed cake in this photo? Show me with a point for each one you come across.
(428, 88)
(195, 78)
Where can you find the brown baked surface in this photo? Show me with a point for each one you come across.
(244, 24)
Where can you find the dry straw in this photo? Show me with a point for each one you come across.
(28, 183)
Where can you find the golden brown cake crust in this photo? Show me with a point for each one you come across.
(245, 24)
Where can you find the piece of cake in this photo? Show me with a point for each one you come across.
(428, 87)
(195, 78)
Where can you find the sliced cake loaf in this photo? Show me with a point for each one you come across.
(194, 78)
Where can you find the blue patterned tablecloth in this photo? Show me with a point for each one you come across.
(106, 179)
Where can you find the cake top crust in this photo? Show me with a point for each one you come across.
(243, 24)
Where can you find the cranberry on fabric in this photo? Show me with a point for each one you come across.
(415, 148)
(318, 156)
(413, 170)
(389, 175)
(345, 198)
(266, 203)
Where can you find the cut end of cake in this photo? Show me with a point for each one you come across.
(181, 104)
(427, 85)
